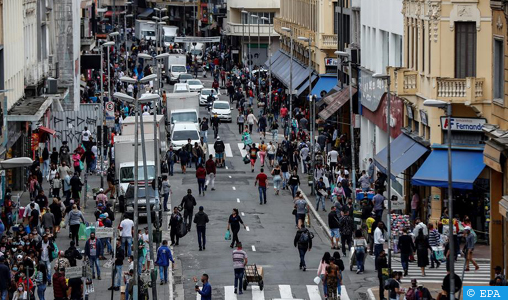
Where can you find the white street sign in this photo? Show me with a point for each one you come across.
(104, 232)
(73, 272)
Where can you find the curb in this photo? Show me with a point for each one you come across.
(324, 226)
(371, 294)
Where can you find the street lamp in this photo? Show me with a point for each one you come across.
(345, 55)
(448, 107)
(388, 162)
(16, 162)
(243, 32)
(125, 25)
(155, 58)
(259, 51)
(269, 58)
(290, 72)
(248, 45)
(101, 115)
(312, 106)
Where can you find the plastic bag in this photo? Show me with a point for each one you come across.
(246, 159)
(82, 232)
(227, 237)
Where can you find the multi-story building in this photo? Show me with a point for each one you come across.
(246, 35)
(447, 56)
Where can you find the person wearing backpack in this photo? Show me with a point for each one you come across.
(72, 254)
(303, 241)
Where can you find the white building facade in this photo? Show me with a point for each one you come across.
(239, 24)
(381, 40)
(14, 49)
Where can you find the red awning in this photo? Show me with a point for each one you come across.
(46, 130)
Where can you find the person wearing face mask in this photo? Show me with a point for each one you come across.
(5, 277)
(26, 282)
(60, 285)
(20, 293)
(93, 249)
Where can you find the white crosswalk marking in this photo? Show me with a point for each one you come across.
(313, 291)
(285, 292)
(228, 151)
(343, 293)
(257, 294)
(211, 151)
(436, 275)
(229, 293)
(242, 151)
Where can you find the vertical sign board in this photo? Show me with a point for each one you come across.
(110, 114)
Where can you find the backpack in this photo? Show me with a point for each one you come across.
(410, 294)
(388, 283)
(69, 254)
(305, 237)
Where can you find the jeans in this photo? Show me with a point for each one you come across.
(204, 135)
(262, 193)
(404, 261)
(48, 268)
(171, 167)
(360, 257)
(127, 240)
(166, 197)
(94, 261)
(320, 199)
(346, 238)
(107, 245)
(276, 182)
(41, 289)
(127, 291)
(285, 178)
(240, 128)
(294, 189)
(201, 236)
(45, 168)
(118, 276)
(379, 215)
(163, 271)
(325, 286)
(275, 135)
(302, 257)
(201, 185)
(377, 249)
(239, 278)
(413, 214)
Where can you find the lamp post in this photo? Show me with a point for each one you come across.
(388, 163)
(125, 25)
(448, 107)
(345, 55)
(159, 18)
(312, 106)
(243, 33)
(269, 59)
(248, 45)
(194, 14)
(113, 35)
(101, 114)
(130, 99)
(290, 72)
(259, 51)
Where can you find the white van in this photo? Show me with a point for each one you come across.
(184, 116)
(197, 51)
(182, 132)
(170, 32)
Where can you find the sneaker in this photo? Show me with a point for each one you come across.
(98, 278)
(203, 193)
(304, 269)
(240, 293)
(162, 282)
(358, 272)
(213, 189)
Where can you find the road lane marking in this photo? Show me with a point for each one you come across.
(238, 200)
(234, 189)
(247, 228)
(313, 291)
(253, 248)
(285, 292)
(227, 150)
(229, 293)
(243, 215)
(242, 151)
(257, 294)
(230, 176)
(343, 293)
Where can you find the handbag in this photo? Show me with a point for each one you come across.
(294, 211)
(227, 236)
(317, 280)
(246, 159)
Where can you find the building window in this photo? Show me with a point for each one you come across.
(465, 49)
(498, 71)
(253, 20)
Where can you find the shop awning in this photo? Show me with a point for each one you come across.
(335, 101)
(325, 83)
(305, 86)
(146, 13)
(274, 59)
(109, 13)
(47, 130)
(492, 156)
(404, 152)
(466, 167)
(281, 67)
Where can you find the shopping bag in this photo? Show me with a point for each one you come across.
(55, 251)
(88, 230)
(27, 229)
(317, 280)
(182, 230)
(227, 237)
(82, 232)
(246, 159)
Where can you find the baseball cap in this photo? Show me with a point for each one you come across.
(101, 190)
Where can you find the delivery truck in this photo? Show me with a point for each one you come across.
(168, 35)
(145, 30)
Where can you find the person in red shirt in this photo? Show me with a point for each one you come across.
(283, 112)
(201, 176)
(261, 178)
(211, 171)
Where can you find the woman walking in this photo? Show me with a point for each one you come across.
(201, 176)
(240, 120)
(276, 178)
(294, 182)
(253, 153)
(270, 151)
(76, 160)
(247, 140)
(321, 272)
(275, 131)
(262, 153)
(75, 219)
(360, 245)
(41, 280)
(56, 185)
(333, 279)
(234, 223)
(422, 247)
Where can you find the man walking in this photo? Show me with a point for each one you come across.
(378, 203)
(320, 194)
(261, 179)
(333, 223)
(381, 263)
(211, 171)
(303, 240)
(239, 263)
(166, 190)
(119, 257)
(188, 203)
(434, 238)
(174, 223)
(201, 218)
(346, 226)
(206, 290)
(163, 258)
(406, 247)
(93, 249)
(5, 279)
(379, 239)
(126, 232)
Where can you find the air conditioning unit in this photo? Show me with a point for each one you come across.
(51, 86)
(354, 53)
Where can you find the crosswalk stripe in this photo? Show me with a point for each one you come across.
(257, 293)
(229, 293)
(441, 280)
(242, 151)
(285, 292)
(211, 150)
(313, 291)
(228, 151)
(343, 293)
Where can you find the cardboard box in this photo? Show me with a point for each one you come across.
(122, 292)
(260, 271)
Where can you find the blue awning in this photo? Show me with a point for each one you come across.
(325, 83)
(404, 152)
(466, 167)
(274, 59)
(305, 86)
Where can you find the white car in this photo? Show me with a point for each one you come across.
(181, 88)
(203, 96)
(195, 85)
(182, 132)
(222, 109)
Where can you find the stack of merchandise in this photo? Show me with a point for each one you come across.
(398, 223)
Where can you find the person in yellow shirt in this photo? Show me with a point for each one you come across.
(370, 220)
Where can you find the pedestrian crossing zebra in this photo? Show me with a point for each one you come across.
(436, 275)
(280, 292)
(227, 150)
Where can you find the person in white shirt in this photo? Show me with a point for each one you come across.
(420, 225)
(85, 137)
(130, 89)
(333, 158)
(379, 239)
(126, 230)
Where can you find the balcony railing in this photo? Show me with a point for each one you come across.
(239, 29)
(328, 41)
(297, 30)
(469, 89)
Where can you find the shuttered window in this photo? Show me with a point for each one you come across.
(465, 49)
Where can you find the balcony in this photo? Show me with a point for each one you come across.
(468, 89)
(297, 30)
(238, 30)
(327, 41)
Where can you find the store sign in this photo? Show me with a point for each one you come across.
(424, 118)
(329, 61)
(35, 141)
(371, 90)
(409, 111)
(463, 124)
(110, 114)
